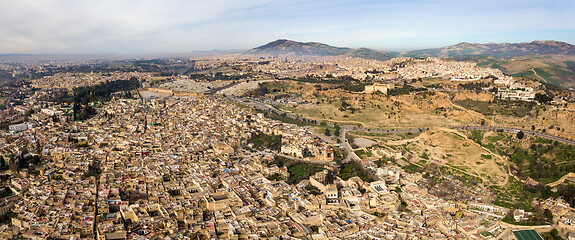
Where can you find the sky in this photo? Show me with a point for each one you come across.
(176, 26)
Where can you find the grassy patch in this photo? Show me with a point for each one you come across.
(513, 196)
(261, 140)
(539, 158)
(503, 107)
(570, 63)
(524, 73)
(412, 168)
(542, 73)
(363, 153)
(353, 169)
(424, 156)
(478, 106)
(495, 138)
(476, 136)
(297, 171)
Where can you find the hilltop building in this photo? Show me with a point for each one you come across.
(379, 87)
(525, 94)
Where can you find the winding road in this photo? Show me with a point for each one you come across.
(345, 128)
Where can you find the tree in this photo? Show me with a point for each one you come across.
(549, 215)
(315, 229)
(329, 177)
(84, 115)
(542, 98)
(552, 235)
(520, 135)
(312, 190)
(261, 140)
(327, 132)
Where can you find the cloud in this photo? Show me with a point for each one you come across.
(86, 25)
(143, 26)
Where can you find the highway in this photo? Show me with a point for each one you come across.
(345, 128)
(351, 156)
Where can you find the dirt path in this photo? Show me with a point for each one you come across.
(453, 167)
(561, 180)
(471, 112)
(535, 73)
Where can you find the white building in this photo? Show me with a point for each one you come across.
(20, 127)
(526, 94)
(379, 187)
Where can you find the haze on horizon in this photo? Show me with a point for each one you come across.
(175, 26)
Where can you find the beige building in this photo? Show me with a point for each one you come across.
(220, 201)
(331, 194)
(128, 213)
(378, 87)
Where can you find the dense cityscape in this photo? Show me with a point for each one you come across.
(132, 152)
(277, 120)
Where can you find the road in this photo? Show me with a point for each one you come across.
(8, 99)
(352, 156)
(345, 128)
(350, 153)
(514, 130)
(399, 130)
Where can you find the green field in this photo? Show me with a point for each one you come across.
(570, 64)
(542, 73)
(297, 171)
(509, 108)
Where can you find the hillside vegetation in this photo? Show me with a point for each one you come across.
(283, 46)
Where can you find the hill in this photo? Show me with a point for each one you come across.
(549, 61)
(284, 46)
(499, 50)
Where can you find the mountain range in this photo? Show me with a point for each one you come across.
(549, 61)
(500, 50)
